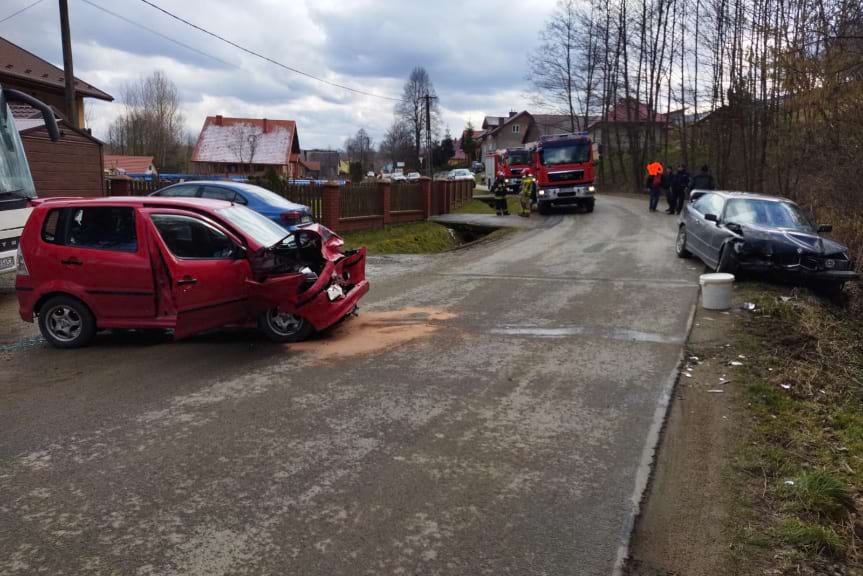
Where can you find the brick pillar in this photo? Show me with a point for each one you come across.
(384, 189)
(331, 205)
(426, 188)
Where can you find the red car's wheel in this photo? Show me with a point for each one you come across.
(66, 322)
(282, 328)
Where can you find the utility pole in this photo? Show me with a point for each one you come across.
(68, 71)
(429, 98)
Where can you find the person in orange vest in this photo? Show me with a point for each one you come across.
(654, 186)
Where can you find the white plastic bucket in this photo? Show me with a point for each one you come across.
(716, 290)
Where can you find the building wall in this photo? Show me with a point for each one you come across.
(72, 166)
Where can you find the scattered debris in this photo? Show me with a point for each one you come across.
(716, 391)
(789, 482)
(736, 363)
(785, 386)
(723, 381)
(741, 356)
(694, 359)
(687, 374)
(748, 306)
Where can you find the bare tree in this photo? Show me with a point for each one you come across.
(360, 148)
(411, 110)
(151, 123)
(397, 144)
(243, 142)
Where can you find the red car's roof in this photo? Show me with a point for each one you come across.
(136, 201)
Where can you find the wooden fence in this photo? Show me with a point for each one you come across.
(361, 200)
(405, 196)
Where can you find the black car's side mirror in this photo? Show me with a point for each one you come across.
(711, 218)
(825, 228)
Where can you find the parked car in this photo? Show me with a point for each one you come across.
(181, 264)
(280, 210)
(477, 167)
(732, 231)
(461, 174)
(398, 177)
(442, 175)
(413, 176)
(370, 174)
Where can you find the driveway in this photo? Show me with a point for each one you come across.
(491, 411)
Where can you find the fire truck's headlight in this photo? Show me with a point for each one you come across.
(591, 189)
(541, 192)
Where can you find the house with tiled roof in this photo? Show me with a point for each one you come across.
(625, 117)
(24, 71)
(129, 165)
(248, 146)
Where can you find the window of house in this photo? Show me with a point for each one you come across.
(516, 128)
(99, 228)
(190, 238)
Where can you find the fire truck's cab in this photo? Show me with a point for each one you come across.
(514, 162)
(564, 172)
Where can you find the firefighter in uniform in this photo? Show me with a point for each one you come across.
(499, 191)
(526, 192)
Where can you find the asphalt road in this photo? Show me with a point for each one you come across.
(492, 410)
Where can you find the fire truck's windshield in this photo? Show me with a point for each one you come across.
(15, 179)
(517, 157)
(573, 153)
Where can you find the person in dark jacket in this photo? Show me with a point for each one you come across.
(654, 188)
(679, 186)
(499, 191)
(703, 180)
(667, 182)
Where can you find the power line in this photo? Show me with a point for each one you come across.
(24, 9)
(266, 58)
(157, 33)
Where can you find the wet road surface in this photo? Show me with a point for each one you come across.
(491, 411)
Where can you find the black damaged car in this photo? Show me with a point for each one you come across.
(731, 231)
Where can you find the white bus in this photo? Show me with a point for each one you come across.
(16, 184)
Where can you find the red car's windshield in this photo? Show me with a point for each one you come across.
(257, 227)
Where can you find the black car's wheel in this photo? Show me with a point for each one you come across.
(680, 244)
(283, 328)
(727, 263)
(66, 322)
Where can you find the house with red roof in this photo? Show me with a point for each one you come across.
(129, 165)
(626, 117)
(248, 146)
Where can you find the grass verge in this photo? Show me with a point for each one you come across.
(412, 238)
(480, 207)
(801, 469)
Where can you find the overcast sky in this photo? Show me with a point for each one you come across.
(474, 50)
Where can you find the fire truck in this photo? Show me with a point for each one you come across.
(563, 167)
(510, 162)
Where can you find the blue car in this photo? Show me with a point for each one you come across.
(278, 209)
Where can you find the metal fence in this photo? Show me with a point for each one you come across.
(362, 199)
(406, 196)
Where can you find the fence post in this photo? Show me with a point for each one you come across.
(385, 190)
(331, 205)
(120, 186)
(425, 189)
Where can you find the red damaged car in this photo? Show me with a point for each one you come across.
(187, 265)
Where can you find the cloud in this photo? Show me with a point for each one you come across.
(475, 53)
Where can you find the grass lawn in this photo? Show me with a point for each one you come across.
(412, 238)
(480, 207)
(800, 473)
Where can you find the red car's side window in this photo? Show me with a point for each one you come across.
(190, 238)
(97, 227)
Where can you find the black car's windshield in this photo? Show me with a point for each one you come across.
(574, 153)
(518, 157)
(259, 228)
(766, 214)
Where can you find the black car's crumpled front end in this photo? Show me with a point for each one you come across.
(792, 252)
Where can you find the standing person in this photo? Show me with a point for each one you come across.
(654, 188)
(703, 180)
(679, 186)
(667, 182)
(526, 192)
(499, 191)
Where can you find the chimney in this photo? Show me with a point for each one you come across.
(219, 120)
(265, 125)
(512, 113)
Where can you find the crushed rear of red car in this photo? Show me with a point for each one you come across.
(185, 265)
